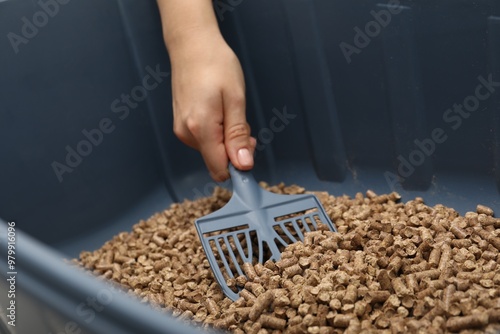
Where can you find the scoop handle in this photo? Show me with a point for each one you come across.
(245, 186)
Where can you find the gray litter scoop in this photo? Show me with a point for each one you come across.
(255, 226)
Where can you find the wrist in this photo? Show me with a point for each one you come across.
(193, 42)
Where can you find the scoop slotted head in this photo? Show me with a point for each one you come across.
(255, 226)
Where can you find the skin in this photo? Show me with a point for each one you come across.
(208, 87)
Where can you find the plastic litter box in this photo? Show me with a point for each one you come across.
(342, 96)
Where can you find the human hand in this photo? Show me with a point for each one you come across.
(209, 103)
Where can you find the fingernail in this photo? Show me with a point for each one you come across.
(245, 158)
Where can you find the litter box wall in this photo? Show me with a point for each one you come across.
(342, 97)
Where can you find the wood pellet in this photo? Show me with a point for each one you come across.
(392, 267)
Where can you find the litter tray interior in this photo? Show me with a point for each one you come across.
(374, 120)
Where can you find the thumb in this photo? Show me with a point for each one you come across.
(239, 144)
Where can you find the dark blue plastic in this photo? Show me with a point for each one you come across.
(331, 109)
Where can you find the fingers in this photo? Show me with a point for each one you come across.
(239, 144)
(220, 137)
(184, 135)
(204, 131)
(214, 154)
(198, 124)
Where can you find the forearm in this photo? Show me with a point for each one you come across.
(187, 23)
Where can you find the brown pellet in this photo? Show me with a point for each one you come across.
(261, 303)
(269, 321)
(445, 257)
(435, 256)
(477, 320)
(249, 271)
(425, 293)
(255, 288)
(293, 270)
(342, 320)
(121, 259)
(226, 321)
(351, 295)
(247, 295)
(448, 296)
(395, 264)
(436, 311)
(159, 241)
(487, 236)
(494, 315)
(212, 306)
(418, 267)
(399, 287)
(459, 232)
(489, 255)
(412, 282)
(385, 280)
(484, 210)
(377, 296)
(286, 262)
(408, 301)
(431, 274)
